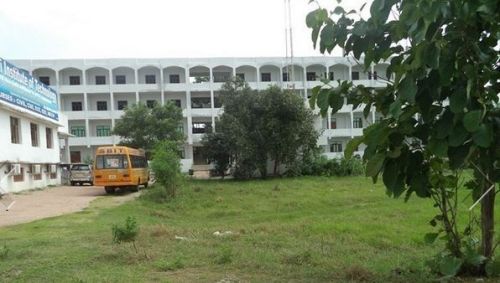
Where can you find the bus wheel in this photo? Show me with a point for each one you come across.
(109, 190)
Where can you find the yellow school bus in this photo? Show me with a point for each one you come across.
(120, 167)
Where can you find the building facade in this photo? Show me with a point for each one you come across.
(93, 94)
(30, 127)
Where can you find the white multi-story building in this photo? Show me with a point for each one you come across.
(94, 92)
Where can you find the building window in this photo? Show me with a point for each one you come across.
(336, 147)
(174, 79)
(120, 79)
(48, 137)
(76, 106)
(20, 177)
(36, 171)
(103, 131)
(333, 123)
(217, 102)
(15, 130)
(100, 80)
(240, 76)
(311, 76)
(265, 77)
(331, 76)
(34, 134)
(102, 105)
(357, 123)
(285, 77)
(355, 75)
(375, 76)
(150, 103)
(52, 169)
(200, 127)
(201, 102)
(74, 80)
(122, 104)
(150, 79)
(78, 131)
(44, 80)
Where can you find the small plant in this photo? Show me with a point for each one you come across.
(225, 256)
(127, 233)
(164, 265)
(4, 252)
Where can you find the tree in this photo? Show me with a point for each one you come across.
(260, 126)
(440, 105)
(217, 148)
(143, 127)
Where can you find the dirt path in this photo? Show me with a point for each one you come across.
(55, 201)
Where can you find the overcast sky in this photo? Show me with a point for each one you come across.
(35, 29)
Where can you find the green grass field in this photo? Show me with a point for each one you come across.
(310, 229)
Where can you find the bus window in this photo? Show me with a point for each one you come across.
(111, 162)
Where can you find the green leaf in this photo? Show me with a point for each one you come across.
(483, 136)
(449, 266)
(375, 164)
(323, 98)
(458, 135)
(473, 257)
(315, 91)
(430, 238)
(393, 179)
(336, 101)
(438, 147)
(418, 184)
(408, 89)
(432, 56)
(458, 101)
(395, 109)
(493, 268)
(472, 120)
(352, 145)
(327, 37)
(338, 10)
(457, 155)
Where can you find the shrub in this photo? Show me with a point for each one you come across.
(164, 265)
(225, 256)
(166, 166)
(322, 166)
(156, 193)
(4, 252)
(127, 233)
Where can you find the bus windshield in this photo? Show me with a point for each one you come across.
(111, 162)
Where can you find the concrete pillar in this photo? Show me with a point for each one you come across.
(329, 119)
(188, 108)
(352, 123)
(162, 94)
(66, 150)
(350, 72)
(57, 90)
(257, 79)
(212, 106)
(136, 77)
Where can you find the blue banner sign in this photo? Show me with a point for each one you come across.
(18, 87)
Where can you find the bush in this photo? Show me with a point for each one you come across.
(127, 233)
(322, 166)
(167, 167)
(156, 193)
